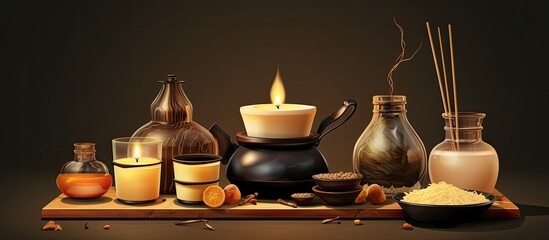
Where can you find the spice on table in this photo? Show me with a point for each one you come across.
(357, 222)
(86, 226)
(209, 226)
(205, 221)
(191, 221)
(251, 198)
(329, 220)
(52, 225)
(283, 202)
(107, 227)
(407, 226)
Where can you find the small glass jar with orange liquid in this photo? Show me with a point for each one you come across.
(84, 177)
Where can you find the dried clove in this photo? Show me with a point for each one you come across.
(86, 226)
(329, 220)
(251, 198)
(283, 202)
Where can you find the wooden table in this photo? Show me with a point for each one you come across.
(167, 207)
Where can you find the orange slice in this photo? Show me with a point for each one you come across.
(213, 196)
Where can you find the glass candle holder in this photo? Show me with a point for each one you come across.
(137, 163)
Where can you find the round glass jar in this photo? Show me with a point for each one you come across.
(463, 158)
(85, 176)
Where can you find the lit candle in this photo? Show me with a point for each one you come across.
(137, 177)
(278, 119)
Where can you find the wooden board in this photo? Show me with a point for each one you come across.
(108, 207)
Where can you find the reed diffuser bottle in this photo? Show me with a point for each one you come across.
(172, 122)
(389, 152)
(463, 158)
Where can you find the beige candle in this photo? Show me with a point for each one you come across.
(137, 168)
(284, 121)
(137, 181)
(278, 120)
(191, 193)
(196, 168)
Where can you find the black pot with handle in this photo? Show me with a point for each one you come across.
(277, 167)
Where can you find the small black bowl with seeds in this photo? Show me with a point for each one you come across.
(337, 182)
(303, 199)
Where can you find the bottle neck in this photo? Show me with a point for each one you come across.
(171, 104)
(395, 104)
(84, 152)
(84, 156)
(463, 126)
(463, 135)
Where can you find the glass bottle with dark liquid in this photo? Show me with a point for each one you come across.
(84, 177)
(389, 152)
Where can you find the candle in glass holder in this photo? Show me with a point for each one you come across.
(278, 120)
(137, 167)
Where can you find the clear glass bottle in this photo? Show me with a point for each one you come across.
(464, 159)
(389, 152)
(85, 176)
(172, 122)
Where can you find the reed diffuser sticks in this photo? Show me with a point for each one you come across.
(444, 93)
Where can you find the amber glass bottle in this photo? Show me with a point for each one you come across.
(85, 176)
(172, 122)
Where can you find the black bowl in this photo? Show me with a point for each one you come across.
(337, 185)
(303, 201)
(337, 198)
(443, 215)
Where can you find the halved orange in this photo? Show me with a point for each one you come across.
(213, 196)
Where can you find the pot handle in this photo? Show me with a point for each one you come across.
(224, 141)
(347, 104)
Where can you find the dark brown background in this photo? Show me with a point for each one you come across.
(86, 71)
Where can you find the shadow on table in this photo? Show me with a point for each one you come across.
(83, 201)
(487, 225)
(532, 210)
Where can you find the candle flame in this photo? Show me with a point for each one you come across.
(136, 152)
(278, 94)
